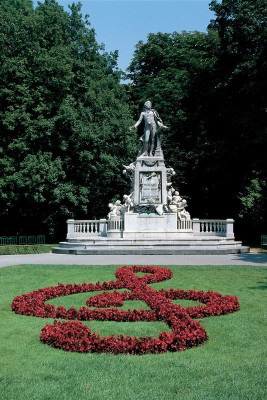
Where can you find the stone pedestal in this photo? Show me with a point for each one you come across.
(143, 226)
(152, 209)
(150, 181)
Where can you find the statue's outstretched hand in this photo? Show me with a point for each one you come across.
(132, 127)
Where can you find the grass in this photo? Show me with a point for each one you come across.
(231, 365)
(26, 249)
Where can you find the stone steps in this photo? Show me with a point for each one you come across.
(106, 246)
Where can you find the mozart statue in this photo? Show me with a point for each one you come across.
(152, 130)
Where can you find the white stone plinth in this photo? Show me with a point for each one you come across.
(134, 222)
(230, 228)
(148, 186)
(155, 226)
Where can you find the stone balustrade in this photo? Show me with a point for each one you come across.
(184, 225)
(213, 227)
(115, 224)
(200, 227)
(86, 228)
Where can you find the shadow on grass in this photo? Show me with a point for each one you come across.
(262, 285)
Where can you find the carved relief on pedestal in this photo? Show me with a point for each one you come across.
(150, 188)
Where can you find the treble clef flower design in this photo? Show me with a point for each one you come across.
(73, 335)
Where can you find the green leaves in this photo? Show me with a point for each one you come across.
(62, 113)
(172, 70)
(210, 89)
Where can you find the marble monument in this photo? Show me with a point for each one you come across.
(153, 217)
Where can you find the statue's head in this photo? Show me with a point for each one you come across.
(176, 193)
(148, 104)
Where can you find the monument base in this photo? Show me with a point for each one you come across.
(148, 246)
(153, 226)
(112, 237)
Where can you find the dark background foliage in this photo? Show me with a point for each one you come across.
(210, 88)
(64, 116)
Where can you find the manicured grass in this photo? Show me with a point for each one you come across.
(231, 365)
(26, 249)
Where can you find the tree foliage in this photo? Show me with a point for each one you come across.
(64, 115)
(211, 90)
(239, 102)
(63, 112)
(174, 71)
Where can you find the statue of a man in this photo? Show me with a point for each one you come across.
(153, 127)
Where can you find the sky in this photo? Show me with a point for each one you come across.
(121, 24)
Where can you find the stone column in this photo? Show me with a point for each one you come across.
(103, 227)
(196, 226)
(229, 228)
(70, 225)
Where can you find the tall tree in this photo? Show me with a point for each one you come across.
(63, 116)
(211, 90)
(240, 106)
(175, 72)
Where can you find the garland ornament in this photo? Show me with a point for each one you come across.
(73, 335)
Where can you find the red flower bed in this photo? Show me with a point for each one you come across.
(75, 336)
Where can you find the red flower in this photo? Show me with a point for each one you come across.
(75, 336)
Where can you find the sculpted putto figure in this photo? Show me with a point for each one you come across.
(115, 209)
(175, 202)
(128, 203)
(153, 127)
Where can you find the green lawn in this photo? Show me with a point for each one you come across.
(26, 249)
(231, 365)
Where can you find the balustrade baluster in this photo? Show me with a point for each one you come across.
(210, 227)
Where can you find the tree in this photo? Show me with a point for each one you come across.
(64, 116)
(175, 72)
(253, 210)
(239, 101)
(210, 88)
